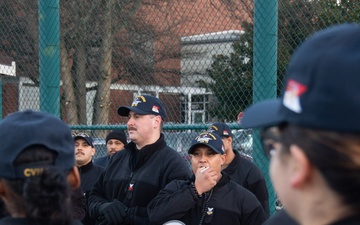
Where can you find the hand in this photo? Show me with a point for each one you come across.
(114, 212)
(205, 179)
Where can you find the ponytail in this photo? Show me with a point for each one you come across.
(45, 197)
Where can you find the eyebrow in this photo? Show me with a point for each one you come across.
(136, 114)
(208, 149)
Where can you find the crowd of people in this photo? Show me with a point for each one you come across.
(310, 134)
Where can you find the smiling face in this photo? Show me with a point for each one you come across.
(204, 156)
(83, 152)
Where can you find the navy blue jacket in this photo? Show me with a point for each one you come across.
(135, 177)
(248, 175)
(226, 203)
(89, 174)
(25, 221)
(102, 161)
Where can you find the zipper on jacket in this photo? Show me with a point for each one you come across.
(203, 211)
(206, 198)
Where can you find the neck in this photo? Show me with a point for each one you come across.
(151, 140)
(230, 155)
(319, 204)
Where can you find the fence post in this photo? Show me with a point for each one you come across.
(1, 99)
(265, 70)
(49, 56)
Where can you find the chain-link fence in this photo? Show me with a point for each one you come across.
(203, 59)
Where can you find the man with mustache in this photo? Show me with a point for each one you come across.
(89, 172)
(135, 175)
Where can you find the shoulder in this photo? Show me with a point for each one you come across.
(120, 154)
(239, 198)
(177, 184)
(247, 165)
(101, 159)
(170, 156)
(173, 165)
(98, 168)
(241, 191)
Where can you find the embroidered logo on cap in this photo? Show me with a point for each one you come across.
(138, 100)
(213, 128)
(205, 138)
(226, 133)
(155, 109)
(292, 95)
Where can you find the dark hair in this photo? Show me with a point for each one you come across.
(336, 155)
(45, 197)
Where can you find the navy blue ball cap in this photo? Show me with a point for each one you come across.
(221, 129)
(322, 85)
(144, 105)
(85, 136)
(23, 129)
(263, 114)
(209, 139)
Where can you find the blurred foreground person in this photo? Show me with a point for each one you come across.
(37, 169)
(210, 197)
(312, 133)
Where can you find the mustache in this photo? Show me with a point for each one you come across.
(79, 152)
(131, 128)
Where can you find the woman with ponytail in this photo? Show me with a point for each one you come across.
(37, 169)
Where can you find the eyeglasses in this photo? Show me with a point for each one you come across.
(269, 137)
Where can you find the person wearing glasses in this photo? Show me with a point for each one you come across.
(312, 133)
(135, 175)
(210, 197)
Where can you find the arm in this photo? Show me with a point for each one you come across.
(173, 202)
(96, 198)
(78, 203)
(257, 186)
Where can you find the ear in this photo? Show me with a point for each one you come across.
(230, 139)
(301, 167)
(223, 158)
(93, 151)
(74, 177)
(157, 122)
(227, 140)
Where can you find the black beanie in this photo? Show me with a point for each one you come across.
(118, 135)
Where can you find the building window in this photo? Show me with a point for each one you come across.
(194, 109)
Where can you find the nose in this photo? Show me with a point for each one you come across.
(203, 158)
(129, 122)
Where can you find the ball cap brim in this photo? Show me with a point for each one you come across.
(263, 114)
